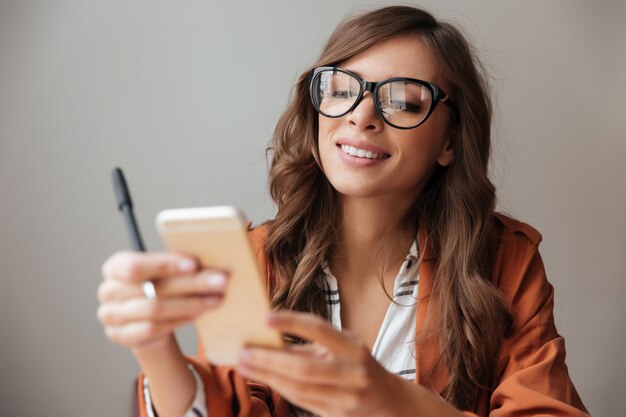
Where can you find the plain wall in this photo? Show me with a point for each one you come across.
(184, 95)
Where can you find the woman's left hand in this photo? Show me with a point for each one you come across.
(334, 376)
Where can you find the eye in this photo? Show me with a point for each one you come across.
(410, 107)
(341, 94)
(394, 106)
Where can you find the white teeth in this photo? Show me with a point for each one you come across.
(361, 153)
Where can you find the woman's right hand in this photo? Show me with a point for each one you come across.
(184, 291)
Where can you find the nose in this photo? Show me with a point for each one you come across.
(364, 115)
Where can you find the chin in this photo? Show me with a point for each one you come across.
(352, 189)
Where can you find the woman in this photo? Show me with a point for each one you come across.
(385, 230)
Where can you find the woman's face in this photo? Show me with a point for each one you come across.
(411, 155)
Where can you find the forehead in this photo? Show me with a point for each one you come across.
(403, 56)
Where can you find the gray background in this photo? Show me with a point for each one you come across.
(185, 94)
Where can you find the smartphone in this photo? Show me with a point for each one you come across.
(218, 238)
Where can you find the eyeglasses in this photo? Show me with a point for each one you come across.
(404, 103)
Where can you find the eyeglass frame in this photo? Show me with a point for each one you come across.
(438, 95)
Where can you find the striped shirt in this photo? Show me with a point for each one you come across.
(394, 347)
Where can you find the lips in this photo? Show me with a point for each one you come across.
(360, 145)
(360, 153)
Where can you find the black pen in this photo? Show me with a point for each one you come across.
(125, 205)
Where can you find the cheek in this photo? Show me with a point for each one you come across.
(324, 127)
(324, 136)
(419, 155)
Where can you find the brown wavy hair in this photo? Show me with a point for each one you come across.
(456, 208)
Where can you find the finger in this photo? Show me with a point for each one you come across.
(140, 333)
(310, 327)
(315, 397)
(314, 365)
(309, 349)
(113, 290)
(207, 282)
(295, 366)
(141, 266)
(159, 310)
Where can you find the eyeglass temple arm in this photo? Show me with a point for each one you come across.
(446, 100)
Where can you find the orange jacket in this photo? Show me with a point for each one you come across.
(532, 374)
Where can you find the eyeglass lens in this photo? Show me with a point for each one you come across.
(402, 103)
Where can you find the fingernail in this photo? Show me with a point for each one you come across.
(211, 301)
(245, 355)
(186, 265)
(273, 317)
(243, 370)
(214, 279)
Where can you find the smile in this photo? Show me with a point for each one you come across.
(362, 153)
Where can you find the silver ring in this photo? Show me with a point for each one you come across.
(149, 290)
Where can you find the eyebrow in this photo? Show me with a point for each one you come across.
(387, 76)
(361, 75)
